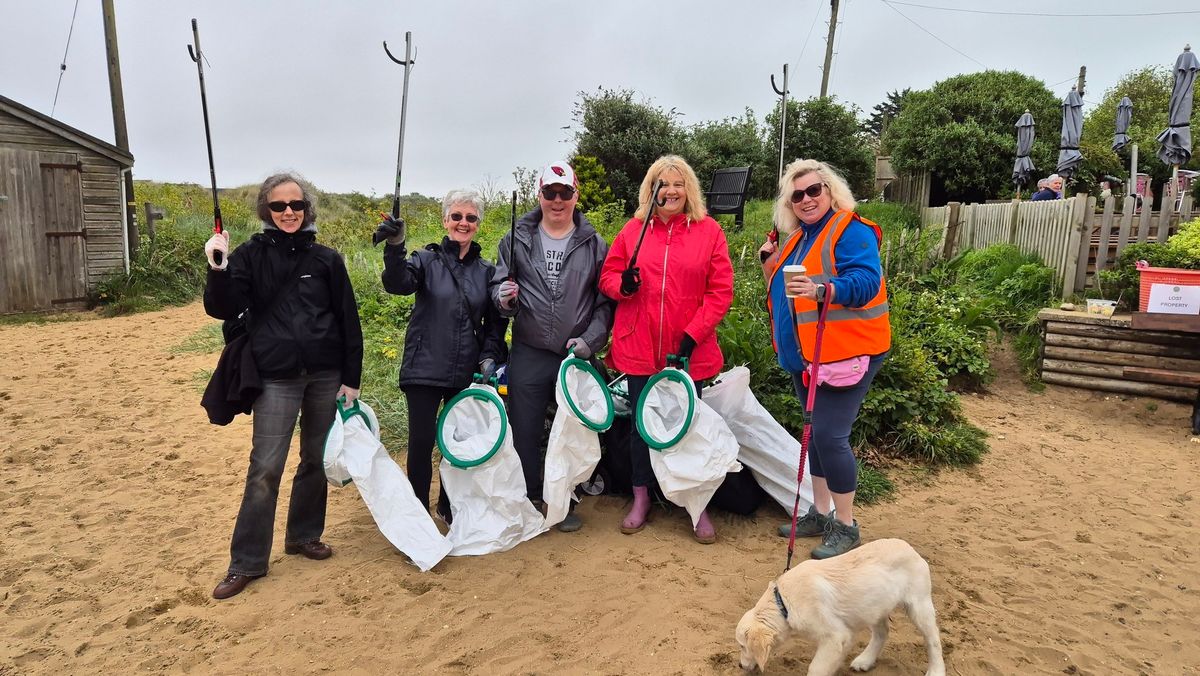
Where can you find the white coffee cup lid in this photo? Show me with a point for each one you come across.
(794, 268)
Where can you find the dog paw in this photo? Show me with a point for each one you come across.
(861, 663)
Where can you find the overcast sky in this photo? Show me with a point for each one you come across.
(305, 85)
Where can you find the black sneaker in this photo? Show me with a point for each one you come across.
(809, 525)
(570, 524)
(838, 539)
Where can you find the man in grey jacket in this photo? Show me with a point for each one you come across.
(557, 306)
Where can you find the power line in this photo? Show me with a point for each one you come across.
(816, 15)
(1048, 14)
(888, 3)
(62, 69)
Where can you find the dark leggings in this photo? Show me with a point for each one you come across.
(423, 402)
(642, 474)
(834, 411)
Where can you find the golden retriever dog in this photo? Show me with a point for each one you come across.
(829, 600)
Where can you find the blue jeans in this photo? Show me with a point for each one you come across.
(311, 397)
(834, 412)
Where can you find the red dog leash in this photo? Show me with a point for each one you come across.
(806, 435)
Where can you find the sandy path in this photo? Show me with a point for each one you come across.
(1071, 549)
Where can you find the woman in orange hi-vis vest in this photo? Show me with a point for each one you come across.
(839, 252)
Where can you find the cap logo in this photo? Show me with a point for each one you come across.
(558, 170)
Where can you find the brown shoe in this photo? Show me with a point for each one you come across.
(233, 585)
(312, 550)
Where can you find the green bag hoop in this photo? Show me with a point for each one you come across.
(679, 377)
(348, 413)
(486, 395)
(585, 366)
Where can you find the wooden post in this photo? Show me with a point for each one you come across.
(1106, 226)
(952, 210)
(1070, 275)
(1126, 222)
(120, 132)
(1085, 239)
(1012, 221)
(833, 5)
(1144, 222)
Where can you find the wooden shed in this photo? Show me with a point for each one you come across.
(62, 211)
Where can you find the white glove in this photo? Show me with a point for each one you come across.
(508, 293)
(581, 348)
(218, 242)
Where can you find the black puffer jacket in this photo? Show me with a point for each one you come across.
(454, 324)
(314, 328)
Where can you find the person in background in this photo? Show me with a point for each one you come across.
(453, 331)
(307, 345)
(669, 303)
(1049, 188)
(1105, 190)
(556, 307)
(840, 251)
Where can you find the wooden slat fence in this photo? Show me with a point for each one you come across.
(1055, 231)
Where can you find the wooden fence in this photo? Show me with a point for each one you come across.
(1069, 235)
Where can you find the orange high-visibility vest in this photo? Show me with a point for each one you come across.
(849, 331)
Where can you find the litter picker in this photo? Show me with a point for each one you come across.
(408, 62)
(512, 241)
(646, 221)
(198, 57)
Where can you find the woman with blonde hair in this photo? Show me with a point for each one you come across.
(840, 253)
(669, 302)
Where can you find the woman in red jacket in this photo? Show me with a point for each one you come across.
(670, 302)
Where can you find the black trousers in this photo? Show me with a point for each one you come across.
(423, 402)
(642, 473)
(531, 381)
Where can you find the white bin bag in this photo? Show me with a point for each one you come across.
(691, 447)
(353, 452)
(481, 474)
(767, 448)
(585, 408)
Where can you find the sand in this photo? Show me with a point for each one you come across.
(1070, 549)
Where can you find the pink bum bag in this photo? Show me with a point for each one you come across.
(839, 374)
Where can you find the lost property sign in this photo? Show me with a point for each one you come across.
(1174, 299)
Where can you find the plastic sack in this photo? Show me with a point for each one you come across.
(353, 452)
(585, 408)
(691, 447)
(481, 474)
(767, 448)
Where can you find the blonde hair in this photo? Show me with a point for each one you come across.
(839, 191)
(691, 185)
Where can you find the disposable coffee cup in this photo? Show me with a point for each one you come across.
(790, 271)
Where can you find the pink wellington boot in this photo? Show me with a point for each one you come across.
(705, 533)
(635, 520)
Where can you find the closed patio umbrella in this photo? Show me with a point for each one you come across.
(1069, 157)
(1023, 167)
(1124, 113)
(1176, 140)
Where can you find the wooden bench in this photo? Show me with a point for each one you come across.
(728, 193)
(1184, 324)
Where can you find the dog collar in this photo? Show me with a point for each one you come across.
(779, 603)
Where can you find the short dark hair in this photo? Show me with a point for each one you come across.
(276, 180)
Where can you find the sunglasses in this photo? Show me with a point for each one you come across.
(471, 218)
(280, 207)
(813, 191)
(563, 192)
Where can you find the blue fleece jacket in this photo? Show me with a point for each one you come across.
(856, 256)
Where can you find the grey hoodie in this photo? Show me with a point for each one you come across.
(547, 318)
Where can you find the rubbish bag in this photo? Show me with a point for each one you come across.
(353, 452)
(585, 408)
(767, 448)
(691, 447)
(481, 474)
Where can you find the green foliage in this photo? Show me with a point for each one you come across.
(1150, 90)
(593, 182)
(823, 129)
(885, 111)
(1181, 251)
(962, 129)
(625, 136)
(733, 142)
(1187, 240)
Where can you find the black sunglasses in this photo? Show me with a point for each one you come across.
(564, 192)
(280, 207)
(471, 218)
(813, 191)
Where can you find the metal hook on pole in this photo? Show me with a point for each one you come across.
(409, 60)
(782, 112)
(198, 58)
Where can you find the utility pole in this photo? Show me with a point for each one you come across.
(120, 133)
(829, 47)
(1082, 79)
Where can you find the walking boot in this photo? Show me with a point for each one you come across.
(839, 538)
(635, 520)
(808, 525)
(705, 533)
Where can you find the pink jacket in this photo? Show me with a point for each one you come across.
(687, 285)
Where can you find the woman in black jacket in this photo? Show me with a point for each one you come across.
(454, 330)
(307, 345)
